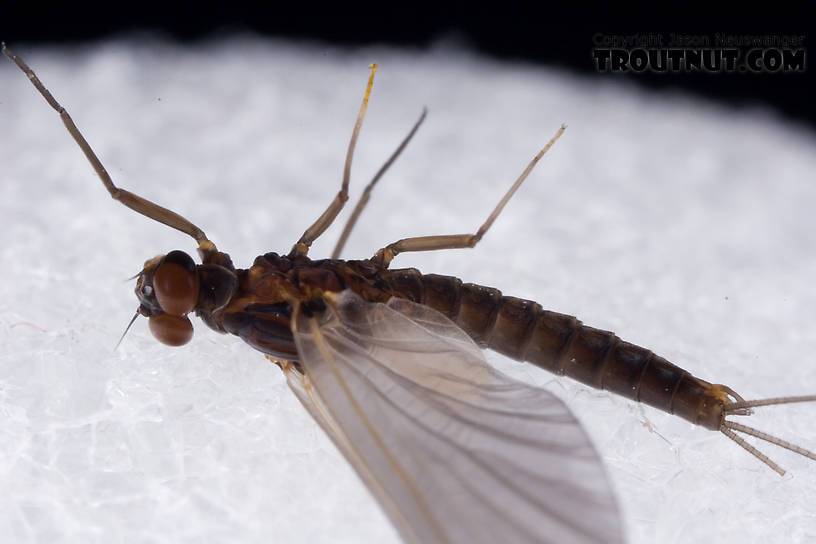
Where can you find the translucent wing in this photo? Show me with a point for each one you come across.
(454, 450)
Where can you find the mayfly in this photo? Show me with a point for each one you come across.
(389, 363)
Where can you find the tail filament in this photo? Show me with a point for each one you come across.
(742, 407)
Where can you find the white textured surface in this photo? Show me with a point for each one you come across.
(683, 226)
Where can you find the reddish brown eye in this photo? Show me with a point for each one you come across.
(171, 330)
(176, 288)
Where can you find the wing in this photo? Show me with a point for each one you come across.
(454, 450)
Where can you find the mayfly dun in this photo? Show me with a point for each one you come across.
(389, 363)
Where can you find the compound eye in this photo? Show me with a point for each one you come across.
(176, 283)
(171, 330)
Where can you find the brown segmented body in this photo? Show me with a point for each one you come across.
(522, 330)
(518, 328)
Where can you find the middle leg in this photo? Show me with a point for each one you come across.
(323, 222)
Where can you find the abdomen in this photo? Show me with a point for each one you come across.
(523, 330)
